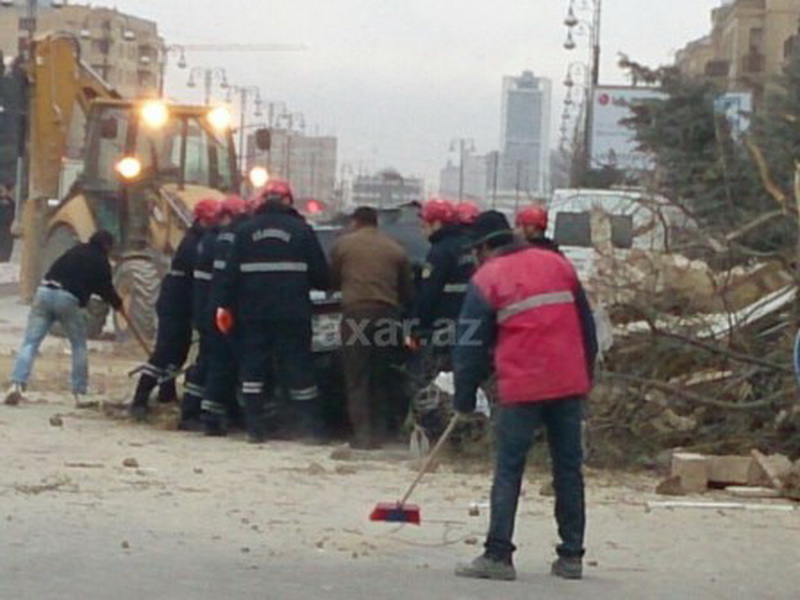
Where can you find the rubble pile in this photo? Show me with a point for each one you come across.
(700, 359)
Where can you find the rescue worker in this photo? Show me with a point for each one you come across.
(442, 286)
(539, 334)
(220, 406)
(191, 405)
(275, 261)
(531, 224)
(174, 333)
(81, 271)
(374, 273)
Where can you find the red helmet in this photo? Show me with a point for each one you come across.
(207, 211)
(532, 216)
(467, 212)
(277, 190)
(233, 206)
(438, 209)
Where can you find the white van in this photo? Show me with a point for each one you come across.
(588, 223)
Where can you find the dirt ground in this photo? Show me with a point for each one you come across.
(94, 506)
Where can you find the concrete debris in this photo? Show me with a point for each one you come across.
(744, 476)
(56, 421)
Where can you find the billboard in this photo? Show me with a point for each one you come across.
(611, 143)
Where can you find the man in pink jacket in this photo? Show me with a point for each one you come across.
(526, 314)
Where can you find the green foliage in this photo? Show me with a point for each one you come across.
(699, 163)
(777, 128)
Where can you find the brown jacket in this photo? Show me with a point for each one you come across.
(372, 270)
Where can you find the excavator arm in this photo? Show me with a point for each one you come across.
(60, 90)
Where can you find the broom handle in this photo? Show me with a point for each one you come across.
(431, 456)
(136, 333)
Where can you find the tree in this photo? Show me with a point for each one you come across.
(701, 164)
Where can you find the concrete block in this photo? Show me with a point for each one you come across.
(729, 470)
(692, 470)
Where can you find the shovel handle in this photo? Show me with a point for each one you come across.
(136, 333)
(433, 453)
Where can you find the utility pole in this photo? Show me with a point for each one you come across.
(464, 145)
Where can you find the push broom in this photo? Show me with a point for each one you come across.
(400, 512)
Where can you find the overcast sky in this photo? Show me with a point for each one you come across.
(397, 80)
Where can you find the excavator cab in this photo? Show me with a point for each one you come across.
(141, 155)
(144, 166)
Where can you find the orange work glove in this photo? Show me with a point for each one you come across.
(224, 320)
(413, 343)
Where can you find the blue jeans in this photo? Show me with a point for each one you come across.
(515, 427)
(50, 306)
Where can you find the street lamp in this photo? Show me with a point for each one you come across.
(209, 75)
(464, 146)
(584, 18)
(244, 92)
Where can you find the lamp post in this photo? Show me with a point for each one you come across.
(182, 64)
(584, 18)
(464, 145)
(244, 92)
(208, 75)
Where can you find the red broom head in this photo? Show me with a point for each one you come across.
(394, 512)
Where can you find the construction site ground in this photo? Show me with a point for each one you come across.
(93, 506)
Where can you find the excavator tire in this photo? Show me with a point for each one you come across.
(137, 281)
(60, 240)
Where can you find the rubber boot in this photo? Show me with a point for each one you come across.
(190, 413)
(309, 426)
(167, 392)
(214, 425)
(144, 387)
(254, 418)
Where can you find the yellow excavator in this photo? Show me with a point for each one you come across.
(133, 167)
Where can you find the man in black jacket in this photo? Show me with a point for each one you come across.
(174, 334)
(275, 261)
(65, 290)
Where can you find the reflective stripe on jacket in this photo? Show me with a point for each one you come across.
(529, 308)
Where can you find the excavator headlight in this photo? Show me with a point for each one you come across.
(220, 118)
(129, 168)
(155, 114)
(258, 176)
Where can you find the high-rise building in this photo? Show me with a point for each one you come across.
(124, 50)
(525, 134)
(747, 47)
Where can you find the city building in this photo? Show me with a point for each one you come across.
(308, 162)
(749, 43)
(123, 49)
(387, 189)
(525, 134)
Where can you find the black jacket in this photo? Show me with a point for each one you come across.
(175, 295)
(7, 212)
(275, 261)
(545, 243)
(445, 276)
(82, 271)
(223, 246)
(203, 271)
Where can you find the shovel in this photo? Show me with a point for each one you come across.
(400, 512)
(136, 333)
